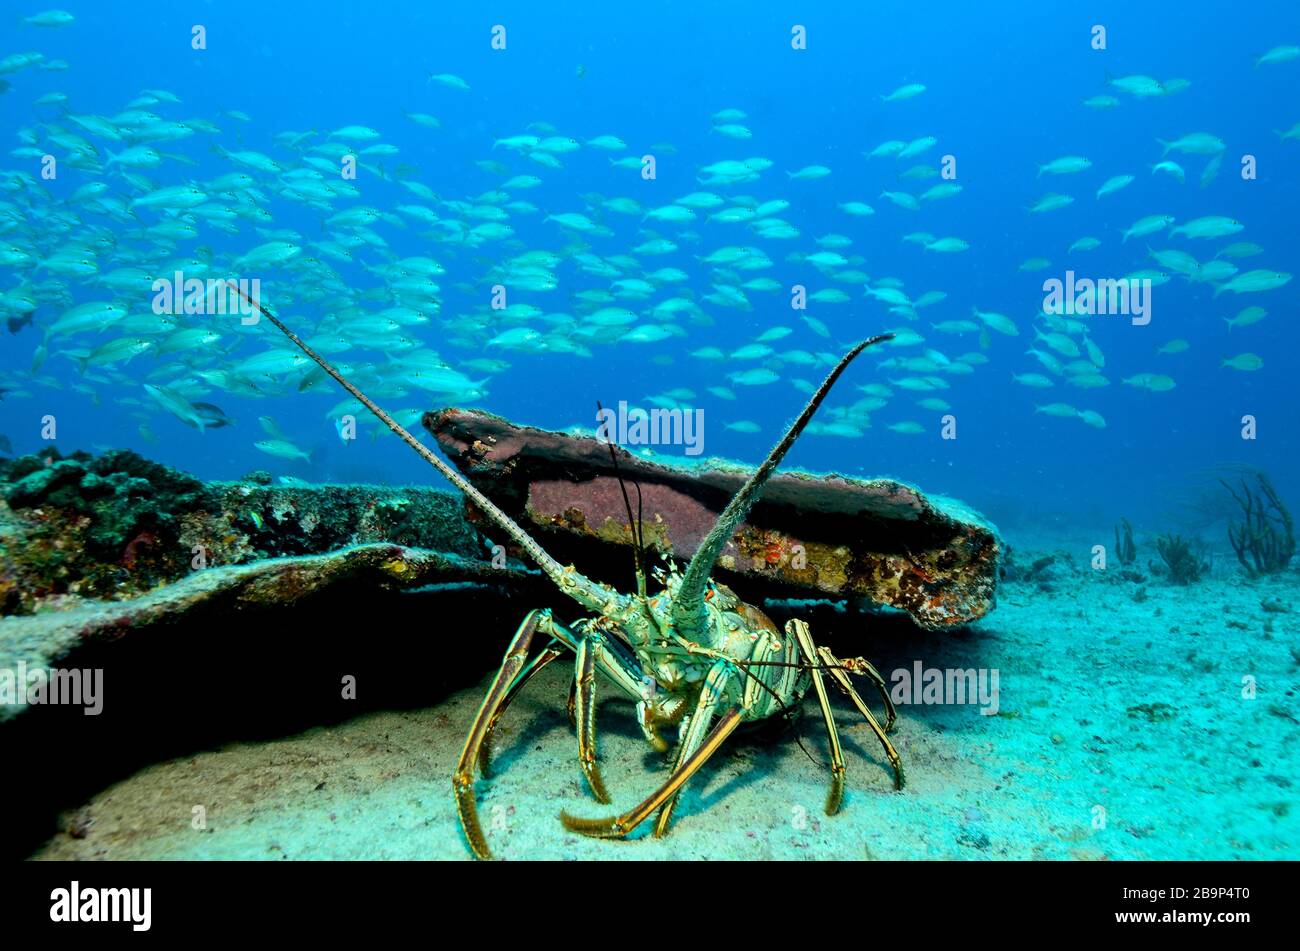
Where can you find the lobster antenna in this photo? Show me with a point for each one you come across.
(638, 552)
(579, 587)
(640, 526)
(688, 602)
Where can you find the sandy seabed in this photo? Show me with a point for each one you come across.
(1122, 733)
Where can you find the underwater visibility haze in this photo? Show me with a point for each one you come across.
(690, 213)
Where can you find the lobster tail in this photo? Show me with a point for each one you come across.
(688, 600)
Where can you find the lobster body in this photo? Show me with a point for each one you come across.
(735, 631)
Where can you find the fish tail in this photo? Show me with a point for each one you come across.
(1166, 145)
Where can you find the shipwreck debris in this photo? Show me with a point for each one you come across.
(811, 536)
(117, 525)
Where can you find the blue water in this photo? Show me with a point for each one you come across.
(1004, 83)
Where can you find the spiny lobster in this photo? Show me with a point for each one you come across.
(692, 656)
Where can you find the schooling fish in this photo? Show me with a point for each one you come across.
(1244, 361)
(1067, 165)
(1253, 282)
(177, 405)
(281, 449)
(910, 91)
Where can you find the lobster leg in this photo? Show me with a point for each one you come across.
(584, 676)
(548, 654)
(616, 662)
(571, 705)
(690, 743)
(513, 675)
(754, 698)
(697, 747)
(799, 630)
(462, 782)
(597, 652)
(842, 679)
(862, 667)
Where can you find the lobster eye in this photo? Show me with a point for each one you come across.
(723, 596)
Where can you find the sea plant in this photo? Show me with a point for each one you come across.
(1183, 561)
(1264, 539)
(1125, 550)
